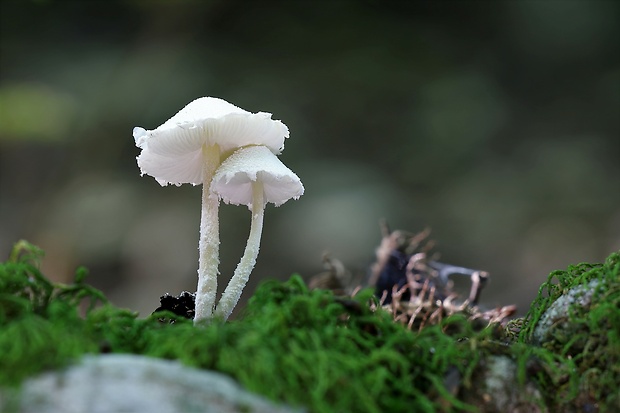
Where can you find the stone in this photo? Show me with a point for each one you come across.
(129, 383)
(557, 316)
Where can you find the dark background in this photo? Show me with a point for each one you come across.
(495, 123)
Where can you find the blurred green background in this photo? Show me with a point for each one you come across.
(494, 123)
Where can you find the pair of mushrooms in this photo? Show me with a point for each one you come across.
(232, 154)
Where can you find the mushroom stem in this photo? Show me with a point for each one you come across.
(233, 291)
(209, 243)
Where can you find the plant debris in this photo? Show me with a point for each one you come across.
(412, 285)
(182, 305)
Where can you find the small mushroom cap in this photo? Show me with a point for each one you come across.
(173, 153)
(233, 180)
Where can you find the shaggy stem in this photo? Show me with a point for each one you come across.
(209, 243)
(233, 291)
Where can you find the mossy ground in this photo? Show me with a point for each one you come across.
(304, 347)
(585, 340)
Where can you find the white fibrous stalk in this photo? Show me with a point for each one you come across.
(240, 278)
(209, 242)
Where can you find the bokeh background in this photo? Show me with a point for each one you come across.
(495, 123)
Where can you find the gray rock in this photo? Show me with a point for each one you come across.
(497, 390)
(504, 394)
(129, 383)
(557, 315)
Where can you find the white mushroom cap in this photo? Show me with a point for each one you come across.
(173, 153)
(234, 178)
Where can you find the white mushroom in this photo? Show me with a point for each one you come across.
(188, 148)
(252, 176)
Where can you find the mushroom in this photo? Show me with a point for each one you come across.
(252, 176)
(188, 148)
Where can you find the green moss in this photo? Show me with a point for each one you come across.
(580, 336)
(292, 344)
(305, 347)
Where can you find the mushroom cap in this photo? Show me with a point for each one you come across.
(233, 180)
(173, 153)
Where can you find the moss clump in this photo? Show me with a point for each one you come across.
(292, 344)
(40, 325)
(576, 320)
